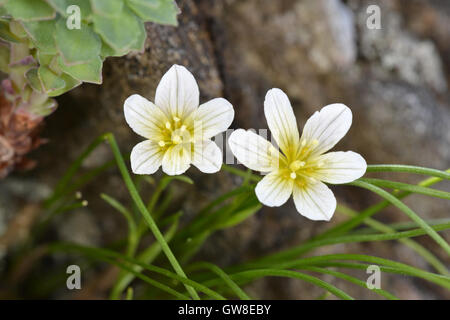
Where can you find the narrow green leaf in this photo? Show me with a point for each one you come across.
(225, 277)
(351, 279)
(410, 213)
(409, 169)
(145, 214)
(408, 187)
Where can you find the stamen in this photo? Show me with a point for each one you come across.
(176, 119)
(176, 139)
(168, 126)
(161, 143)
(293, 175)
(183, 128)
(296, 165)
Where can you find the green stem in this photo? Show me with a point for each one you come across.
(241, 173)
(407, 187)
(143, 209)
(410, 213)
(409, 169)
(376, 225)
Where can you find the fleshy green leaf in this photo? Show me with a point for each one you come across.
(160, 11)
(50, 81)
(4, 58)
(107, 51)
(70, 83)
(107, 7)
(16, 28)
(44, 58)
(42, 35)
(62, 5)
(78, 45)
(118, 32)
(87, 72)
(6, 34)
(30, 10)
(33, 79)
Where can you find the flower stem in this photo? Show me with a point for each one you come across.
(409, 169)
(240, 173)
(109, 137)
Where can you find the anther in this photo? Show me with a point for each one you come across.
(183, 128)
(176, 119)
(293, 175)
(296, 165)
(176, 139)
(161, 143)
(168, 126)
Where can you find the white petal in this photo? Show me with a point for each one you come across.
(146, 157)
(144, 117)
(315, 201)
(177, 93)
(281, 120)
(253, 151)
(177, 160)
(213, 117)
(325, 128)
(340, 167)
(207, 157)
(274, 189)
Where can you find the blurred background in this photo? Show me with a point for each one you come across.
(395, 80)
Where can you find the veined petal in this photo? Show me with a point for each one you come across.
(146, 157)
(274, 189)
(144, 117)
(207, 156)
(281, 120)
(315, 201)
(325, 128)
(253, 151)
(213, 117)
(177, 93)
(340, 167)
(176, 160)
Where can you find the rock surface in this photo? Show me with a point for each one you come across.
(395, 80)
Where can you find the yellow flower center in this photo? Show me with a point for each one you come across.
(302, 167)
(175, 132)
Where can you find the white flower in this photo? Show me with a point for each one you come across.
(302, 164)
(177, 129)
